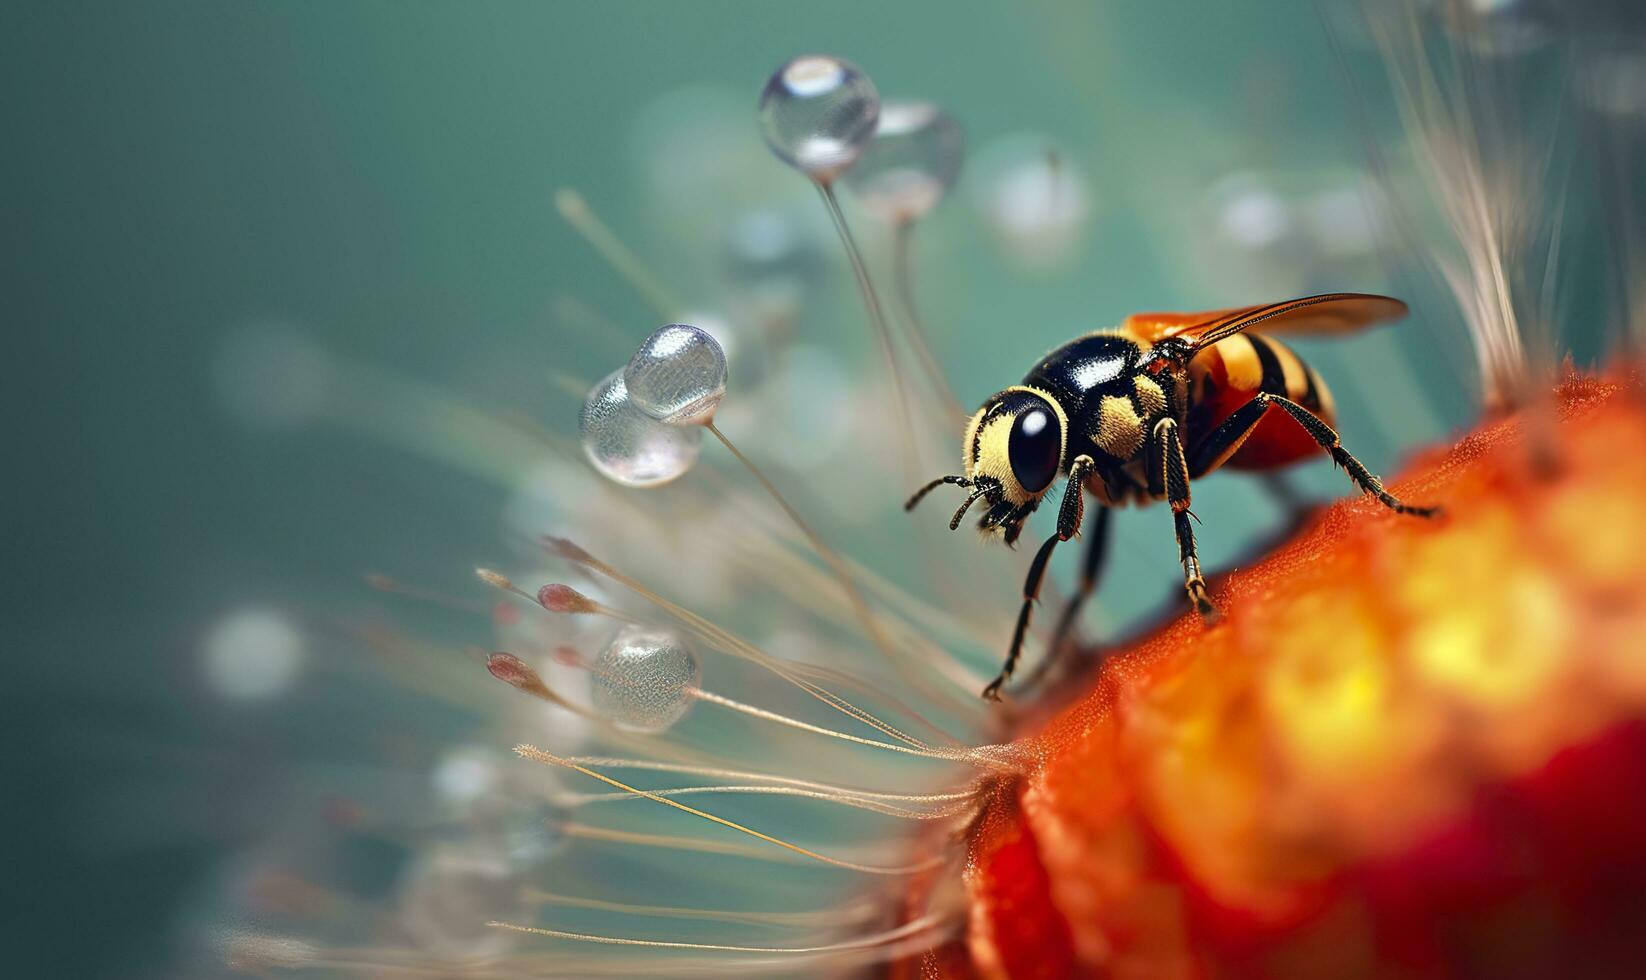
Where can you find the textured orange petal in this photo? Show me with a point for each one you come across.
(1409, 748)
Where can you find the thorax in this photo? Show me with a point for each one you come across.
(1112, 406)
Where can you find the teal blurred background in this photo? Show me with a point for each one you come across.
(379, 178)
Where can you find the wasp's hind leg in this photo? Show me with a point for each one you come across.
(1227, 438)
(1169, 478)
(1097, 546)
(1068, 525)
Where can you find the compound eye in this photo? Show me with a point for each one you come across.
(1035, 449)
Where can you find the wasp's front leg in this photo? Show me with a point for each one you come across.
(1169, 478)
(1068, 525)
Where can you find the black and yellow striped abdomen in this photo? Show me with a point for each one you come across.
(1227, 375)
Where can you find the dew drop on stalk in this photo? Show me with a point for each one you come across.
(643, 680)
(629, 446)
(818, 113)
(678, 375)
(912, 162)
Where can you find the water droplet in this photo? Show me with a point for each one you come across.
(630, 446)
(912, 162)
(678, 375)
(643, 679)
(818, 113)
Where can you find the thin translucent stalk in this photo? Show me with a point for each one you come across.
(845, 915)
(913, 927)
(676, 842)
(728, 642)
(877, 318)
(836, 565)
(903, 287)
(581, 217)
(961, 755)
(575, 800)
(719, 773)
(538, 755)
(905, 663)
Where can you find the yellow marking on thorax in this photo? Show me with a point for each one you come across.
(1149, 396)
(1119, 430)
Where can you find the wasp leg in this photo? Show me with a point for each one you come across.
(1227, 438)
(1068, 525)
(1097, 546)
(1169, 478)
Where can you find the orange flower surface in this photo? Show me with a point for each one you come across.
(1407, 749)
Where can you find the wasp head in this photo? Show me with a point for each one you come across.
(1014, 448)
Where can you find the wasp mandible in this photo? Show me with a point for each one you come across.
(1136, 414)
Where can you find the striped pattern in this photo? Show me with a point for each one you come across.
(1253, 363)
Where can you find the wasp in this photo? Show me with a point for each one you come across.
(1137, 414)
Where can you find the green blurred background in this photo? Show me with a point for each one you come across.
(380, 177)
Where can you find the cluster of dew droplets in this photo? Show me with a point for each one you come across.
(629, 446)
(469, 896)
(642, 425)
(818, 113)
(823, 116)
